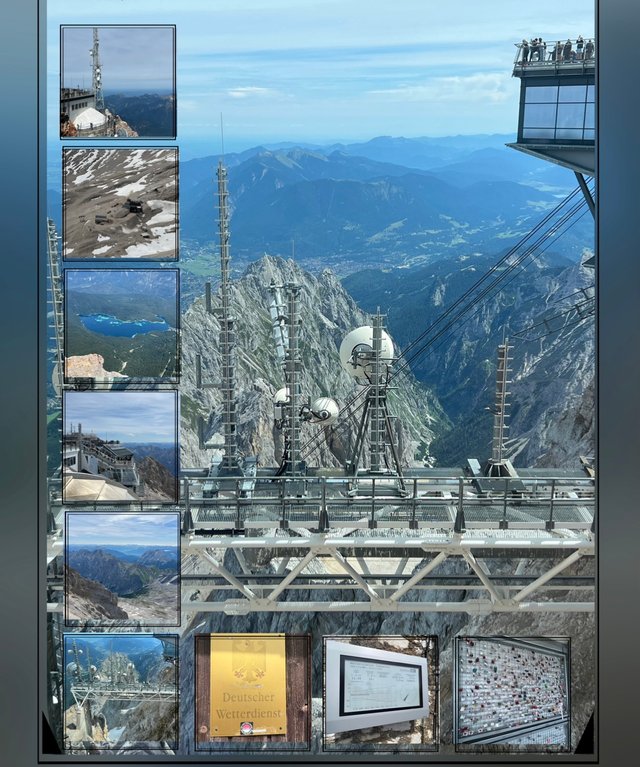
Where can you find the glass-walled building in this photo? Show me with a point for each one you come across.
(559, 112)
(557, 102)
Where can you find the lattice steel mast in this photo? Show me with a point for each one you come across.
(56, 300)
(500, 415)
(230, 461)
(375, 415)
(96, 72)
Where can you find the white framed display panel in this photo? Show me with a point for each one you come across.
(367, 687)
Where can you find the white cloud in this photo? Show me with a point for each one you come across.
(250, 91)
(485, 88)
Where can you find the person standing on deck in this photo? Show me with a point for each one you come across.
(589, 49)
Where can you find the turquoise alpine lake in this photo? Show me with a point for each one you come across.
(108, 325)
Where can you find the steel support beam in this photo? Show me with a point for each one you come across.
(587, 194)
(435, 544)
(366, 587)
(473, 564)
(416, 577)
(292, 575)
(472, 607)
(547, 576)
(228, 576)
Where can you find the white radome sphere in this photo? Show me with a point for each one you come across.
(327, 408)
(361, 340)
(281, 397)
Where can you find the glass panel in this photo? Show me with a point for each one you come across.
(571, 116)
(590, 135)
(573, 93)
(572, 133)
(591, 92)
(590, 116)
(541, 94)
(540, 115)
(538, 133)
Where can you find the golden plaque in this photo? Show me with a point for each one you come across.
(248, 690)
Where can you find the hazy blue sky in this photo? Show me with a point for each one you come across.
(121, 528)
(127, 643)
(152, 282)
(323, 70)
(125, 416)
(130, 57)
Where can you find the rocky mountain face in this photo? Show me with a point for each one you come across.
(159, 482)
(161, 558)
(553, 353)
(88, 598)
(328, 314)
(99, 220)
(120, 577)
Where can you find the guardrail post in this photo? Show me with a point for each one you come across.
(372, 521)
(239, 524)
(413, 525)
(323, 521)
(187, 520)
(504, 522)
(550, 524)
(459, 525)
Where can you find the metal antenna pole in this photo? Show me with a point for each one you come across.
(227, 336)
(501, 404)
(96, 72)
(56, 299)
(292, 366)
(377, 425)
(277, 310)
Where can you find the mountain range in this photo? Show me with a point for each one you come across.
(123, 576)
(350, 212)
(149, 114)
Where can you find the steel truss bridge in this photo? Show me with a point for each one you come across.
(522, 544)
(131, 692)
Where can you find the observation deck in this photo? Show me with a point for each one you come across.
(556, 119)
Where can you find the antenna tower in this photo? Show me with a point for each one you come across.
(230, 461)
(292, 366)
(96, 72)
(231, 464)
(375, 416)
(498, 465)
(56, 300)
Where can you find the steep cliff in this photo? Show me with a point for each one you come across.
(328, 314)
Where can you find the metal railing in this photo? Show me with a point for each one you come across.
(337, 502)
(561, 55)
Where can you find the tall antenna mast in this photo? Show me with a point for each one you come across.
(96, 72)
(56, 299)
(377, 425)
(292, 367)
(369, 363)
(230, 462)
(500, 414)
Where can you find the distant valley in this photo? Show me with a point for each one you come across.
(133, 331)
(114, 582)
(149, 114)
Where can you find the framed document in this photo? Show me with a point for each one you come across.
(365, 687)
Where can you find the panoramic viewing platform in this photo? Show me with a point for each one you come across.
(548, 58)
(556, 118)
